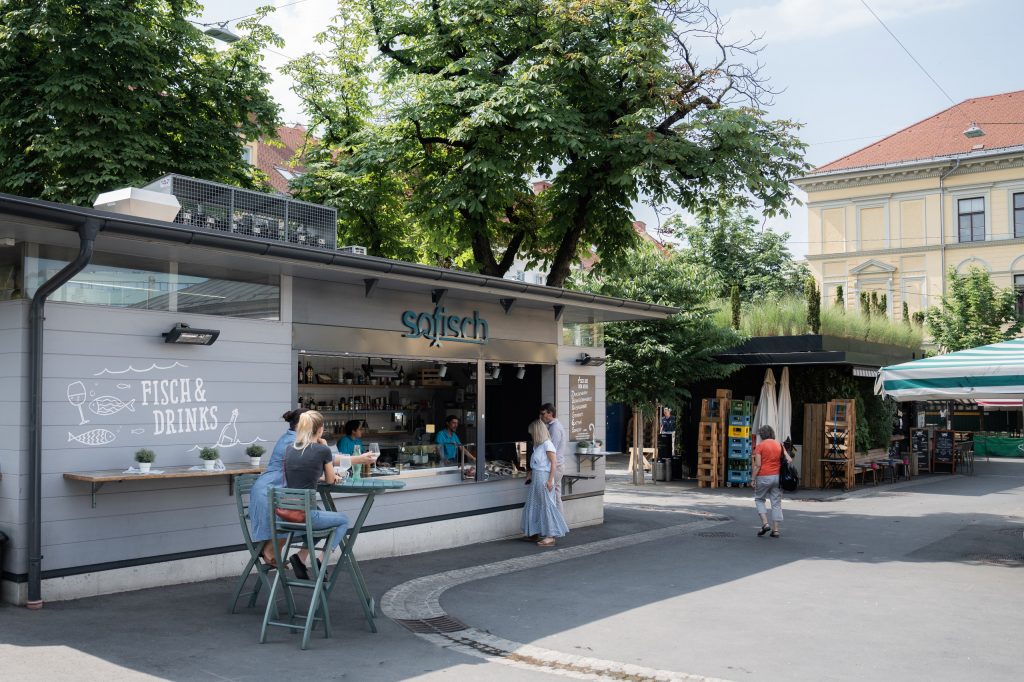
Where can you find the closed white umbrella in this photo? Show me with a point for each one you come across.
(785, 408)
(767, 411)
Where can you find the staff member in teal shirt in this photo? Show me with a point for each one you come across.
(347, 446)
(448, 442)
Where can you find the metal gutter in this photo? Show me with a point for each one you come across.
(115, 223)
(88, 229)
(896, 165)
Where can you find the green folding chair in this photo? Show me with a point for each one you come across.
(243, 487)
(285, 581)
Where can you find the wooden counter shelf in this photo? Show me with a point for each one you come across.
(96, 479)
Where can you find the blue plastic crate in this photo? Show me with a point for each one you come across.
(735, 420)
(743, 448)
(740, 477)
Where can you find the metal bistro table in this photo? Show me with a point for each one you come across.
(369, 487)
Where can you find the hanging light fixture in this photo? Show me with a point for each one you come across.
(495, 371)
(520, 370)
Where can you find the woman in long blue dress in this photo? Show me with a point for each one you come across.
(273, 476)
(541, 516)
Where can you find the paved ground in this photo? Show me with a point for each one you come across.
(918, 580)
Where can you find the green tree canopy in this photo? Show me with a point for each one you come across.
(462, 102)
(102, 94)
(974, 313)
(735, 246)
(653, 362)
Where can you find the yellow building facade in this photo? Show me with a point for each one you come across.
(893, 217)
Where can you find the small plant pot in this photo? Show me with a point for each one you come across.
(255, 461)
(144, 467)
(209, 464)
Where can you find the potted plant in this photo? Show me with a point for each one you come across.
(598, 446)
(209, 457)
(255, 452)
(145, 459)
(583, 446)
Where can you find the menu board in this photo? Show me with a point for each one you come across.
(919, 448)
(944, 448)
(582, 395)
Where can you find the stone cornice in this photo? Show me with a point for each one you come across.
(930, 168)
(1018, 241)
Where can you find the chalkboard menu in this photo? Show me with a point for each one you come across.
(919, 448)
(582, 395)
(944, 448)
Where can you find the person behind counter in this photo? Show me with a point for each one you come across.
(273, 476)
(449, 445)
(307, 460)
(541, 515)
(347, 446)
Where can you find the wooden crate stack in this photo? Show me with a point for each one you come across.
(714, 413)
(840, 434)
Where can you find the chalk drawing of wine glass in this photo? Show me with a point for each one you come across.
(229, 434)
(77, 396)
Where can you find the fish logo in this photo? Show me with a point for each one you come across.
(93, 437)
(106, 405)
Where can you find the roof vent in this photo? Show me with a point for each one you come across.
(141, 203)
(354, 250)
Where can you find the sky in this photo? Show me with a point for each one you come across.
(837, 70)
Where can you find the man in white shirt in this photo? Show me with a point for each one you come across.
(557, 431)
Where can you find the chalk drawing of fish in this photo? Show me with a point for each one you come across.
(138, 431)
(107, 405)
(93, 437)
(124, 386)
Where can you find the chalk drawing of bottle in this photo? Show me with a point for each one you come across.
(229, 434)
(76, 396)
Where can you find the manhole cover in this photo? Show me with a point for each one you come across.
(432, 625)
(716, 534)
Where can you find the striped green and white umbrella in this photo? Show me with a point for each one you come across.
(991, 372)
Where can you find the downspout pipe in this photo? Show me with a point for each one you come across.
(87, 233)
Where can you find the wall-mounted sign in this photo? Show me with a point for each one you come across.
(440, 326)
(582, 395)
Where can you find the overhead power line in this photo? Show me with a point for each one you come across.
(909, 54)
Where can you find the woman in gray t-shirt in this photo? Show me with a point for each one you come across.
(307, 460)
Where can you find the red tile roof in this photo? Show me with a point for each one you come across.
(271, 157)
(1000, 116)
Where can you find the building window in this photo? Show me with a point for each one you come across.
(971, 213)
(1018, 214)
(1018, 287)
(247, 154)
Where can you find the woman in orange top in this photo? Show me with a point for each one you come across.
(767, 460)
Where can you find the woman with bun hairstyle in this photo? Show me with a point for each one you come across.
(273, 476)
(308, 460)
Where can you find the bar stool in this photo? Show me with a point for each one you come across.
(302, 500)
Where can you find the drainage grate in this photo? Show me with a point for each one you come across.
(1013, 559)
(716, 534)
(433, 625)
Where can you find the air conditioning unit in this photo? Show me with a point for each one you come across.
(354, 250)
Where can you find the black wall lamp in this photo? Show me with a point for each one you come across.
(587, 359)
(520, 370)
(182, 333)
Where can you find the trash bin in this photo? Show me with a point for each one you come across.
(677, 468)
(665, 446)
(663, 470)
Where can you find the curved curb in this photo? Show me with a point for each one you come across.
(416, 604)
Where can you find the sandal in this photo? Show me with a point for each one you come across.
(271, 562)
(774, 534)
(764, 529)
(548, 542)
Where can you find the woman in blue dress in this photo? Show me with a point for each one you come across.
(273, 476)
(541, 516)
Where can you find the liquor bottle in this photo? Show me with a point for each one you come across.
(302, 375)
(310, 378)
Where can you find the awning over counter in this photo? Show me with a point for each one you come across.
(21, 218)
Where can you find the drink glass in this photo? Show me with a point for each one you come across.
(375, 453)
(356, 451)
